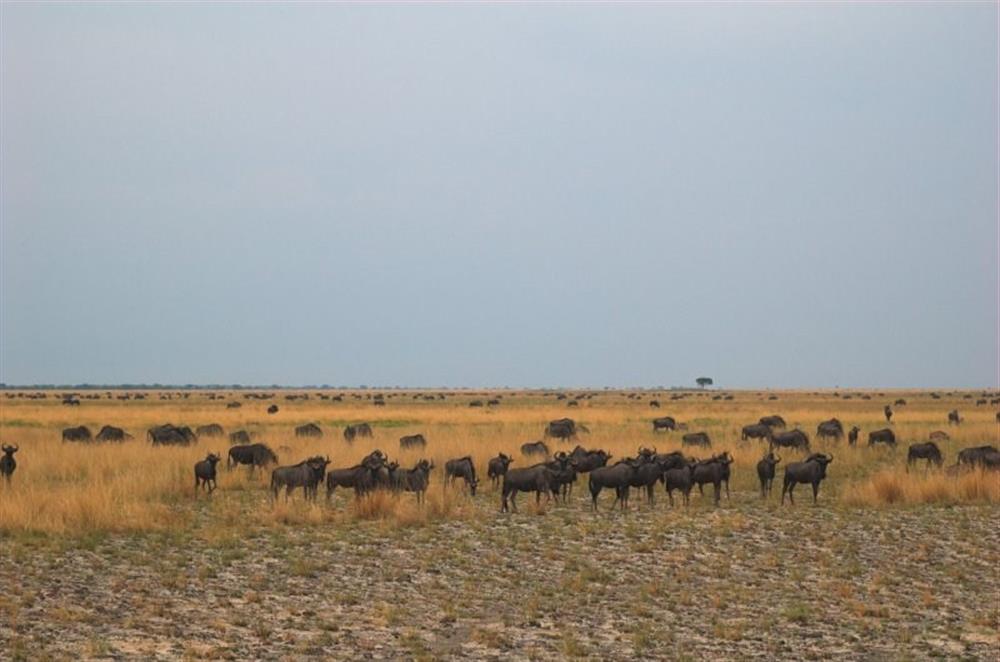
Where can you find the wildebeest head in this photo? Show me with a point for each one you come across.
(9, 450)
(822, 460)
(212, 458)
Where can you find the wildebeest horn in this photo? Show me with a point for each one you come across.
(829, 458)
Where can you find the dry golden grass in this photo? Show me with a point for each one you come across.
(67, 488)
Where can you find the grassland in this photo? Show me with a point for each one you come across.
(108, 552)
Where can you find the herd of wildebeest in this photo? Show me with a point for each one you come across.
(552, 474)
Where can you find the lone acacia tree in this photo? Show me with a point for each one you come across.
(704, 381)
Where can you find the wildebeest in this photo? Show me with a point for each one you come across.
(233, 405)
(664, 423)
(939, 435)
(980, 402)
(7, 463)
(357, 430)
(204, 473)
(563, 469)
(755, 431)
(773, 421)
(307, 474)
(987, 457)
(883, 436)
(679, 478)
(273, 409)
(926, 451)
(535, 448)
(852, 436)
(714, 470)
(239, 437)
(255, 455)
(812, 470)
(309, 430)
(111, 433)
(899, 402)
(497, 467)
(415, 479)
(463, 468)
(210, 430)
(80, 433)
(618, 476)
(412, 441)
(564, 428)
(586, 461)
(953, 417)
(832, 429)
(791, 439)
(696, 439)
(888, 413)
(362, 477)
(655, 404)
(168, 434)
(765, 472)
(476, 403)
(537, 478)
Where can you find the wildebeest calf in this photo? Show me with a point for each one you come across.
(765, 472)
(204, 473)
(497, 467)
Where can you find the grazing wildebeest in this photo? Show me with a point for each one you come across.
(664, 423)
(7, 462)
(696, 439)
(537, 478)
(953, 417)
(774, 421)
(655, 404)
(714, 470)
(832, 429)
(204, 473)
(239, 437)
(168, 434)
(273, 409)
(210, 430)
(111, 433)
(81, 433)
(357, 430)
(308, 430)
(883, 436)
(926, 451)
(362, 477)
(586, 461)
(980, 402)
(535, 448)
(899, 402)
(888, 414)
(415, 479)
(765, 472)
(463, 468)
(307, 474)
(812, 470)
(476, 403)
(679, 478)
(412, 441)
(756, 431)
(987, 457)
(852, 436)
(939, 435)
(564, 429)
(233, 405)
(255, 455)
(791, 439)
(619, 477)
(497, 467)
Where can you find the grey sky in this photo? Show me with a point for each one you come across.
(772, 195)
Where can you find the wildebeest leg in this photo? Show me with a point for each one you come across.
(717, 491)
(513, 500)
(593, 499)
(649, 494)
(727, 490)
(212, 486)
(701, 490)
(815, 491)
(670, 495)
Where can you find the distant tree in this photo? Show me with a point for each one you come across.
(704, 381)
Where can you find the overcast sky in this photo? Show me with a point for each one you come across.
(770, 195)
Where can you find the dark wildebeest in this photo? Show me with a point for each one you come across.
(204, 473)
(812, 470)
(926, 451)
(233, 405)
(679, 478)
(307, 474)
(774, 421)
(651, 472)
(239, 437)
(586, 461)
(357, 430)
(535, 448)
(255, 455)
(765, 472)
(852, 435)
(210, 430)
(81, 433)
(476, 403)
(308, 430)
(939, 435)
(412, 441)
(537, 478)
(162, 435)
(986, 457)
(883, 436)
(755, 431)
(714, 470)
(415, 479)
(899, 402)
(664, 423)
(497, 467)
(888, 414)
(832, 429)
(619, 477)
(980, 402)
(953, 417)
(111, 433)
(362, 477)
(791, 439)
(462, 468)
(273, 409)
(7, 462)
(563, 428)
(696, 439)
(563, 474)
(655, 404)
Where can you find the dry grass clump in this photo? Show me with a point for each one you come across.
(892, 486)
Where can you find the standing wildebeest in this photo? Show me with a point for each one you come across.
(7, 462)
(273, 409)
(714, 470)
(755, 431)
(255, 455)
(883, 436)
(586, 461)
(564, 429)
(664, 423)
(412, 441)
(81, 433)
(832, 429)
(563, 469)
(953, 417)
(362, 477)
(537, 478)
(357, 430)
(774, 421)
(926, 451)
(812, 470)
(204, 473)
(939, 435)
(239, 437)
(655, 404)
(233, 405)
(696, 439)
(210, 430)
(791, 439)
(415, 479)
(679, 478)
(111, 433)
(888, 414)
(308, 430)
(497, 467)
(986, 457)
(535, 448)
(168, 434)
(618, 476)
(462, 468)
(852, 436)
(765, 472)
(307, 474)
